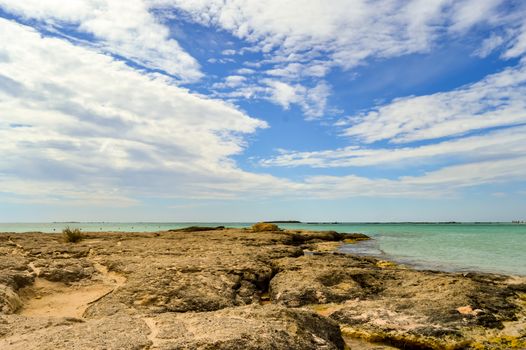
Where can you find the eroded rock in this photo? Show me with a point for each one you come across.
(320, 279)
(9, 301)
(246, 328)
(110, 333)
(203, 290)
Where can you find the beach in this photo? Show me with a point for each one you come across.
(236, 288)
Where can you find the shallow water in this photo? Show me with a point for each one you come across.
(495, 247)
(499, 248)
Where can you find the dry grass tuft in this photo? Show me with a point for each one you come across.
(72, 235)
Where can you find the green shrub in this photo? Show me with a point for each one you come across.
(72, 235)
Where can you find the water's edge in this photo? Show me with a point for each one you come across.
(452, 247)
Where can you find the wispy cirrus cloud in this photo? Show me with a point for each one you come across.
(343, 31)
(497, 100)
(311, 100)
(444, 182)
(500, 144)
(308, 39)
(348, 32)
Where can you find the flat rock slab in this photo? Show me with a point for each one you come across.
(251, 327)
(245, 328)
(111, 333)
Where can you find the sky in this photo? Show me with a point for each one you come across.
(247, 110)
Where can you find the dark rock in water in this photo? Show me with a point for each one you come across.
(356, 236)
(301, 237)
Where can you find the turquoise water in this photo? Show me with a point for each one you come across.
(495, 247)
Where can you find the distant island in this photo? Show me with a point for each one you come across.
(283, 222)
(324, 223)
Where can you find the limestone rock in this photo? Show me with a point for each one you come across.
(247, 328)
(9, 301)
(320, 279)
(111, 333)
(203, 290)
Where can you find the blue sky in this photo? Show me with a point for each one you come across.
(240, 110)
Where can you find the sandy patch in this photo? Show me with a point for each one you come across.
(57, 299)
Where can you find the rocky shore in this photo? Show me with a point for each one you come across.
(241, 289)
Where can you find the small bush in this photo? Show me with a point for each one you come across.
(264, 226)
(72, 235)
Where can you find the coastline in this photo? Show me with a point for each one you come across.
(370, 249)
(493, 248)
(289, 287)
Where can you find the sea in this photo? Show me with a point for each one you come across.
(456, 247)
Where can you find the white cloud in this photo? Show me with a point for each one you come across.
(125, 28)
(344, 32)
(86, 128)
(245, 71)
(307, 43)
(497, 100)
(311, 100)
(228, 52)
(91, 124)
(467, 13)
(291, 70)
(297, 44)
(284, 94)
(443, 182)
(85, 125)
(316, 100)
(232, 81)
(489, 45)
(296, 71)
(518, 43)
(502, 144)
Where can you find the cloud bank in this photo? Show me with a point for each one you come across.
(97, 103)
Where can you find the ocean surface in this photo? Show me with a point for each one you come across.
(486, 247)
